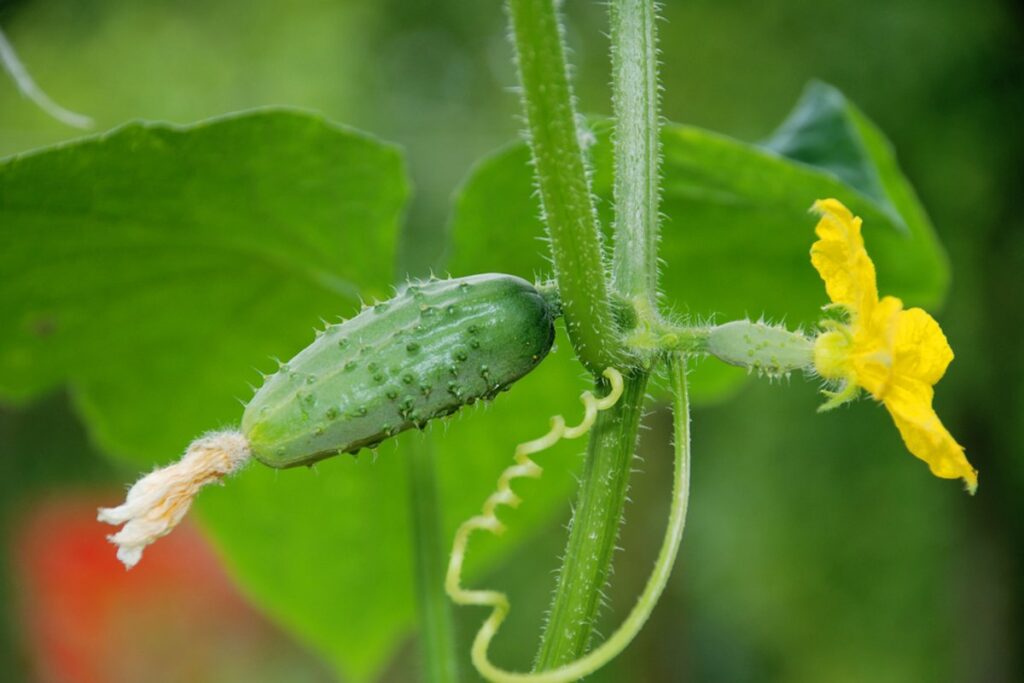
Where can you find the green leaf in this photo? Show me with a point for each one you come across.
(828, 132)
(153, 268)
(737, 231)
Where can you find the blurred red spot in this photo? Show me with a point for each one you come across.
(174, 617)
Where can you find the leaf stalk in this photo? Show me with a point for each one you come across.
(563, 183)
(636, 144)
(601, 503)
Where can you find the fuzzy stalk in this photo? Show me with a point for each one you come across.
(594, 530)
(563, 183)
(635, 101)
(601, 503)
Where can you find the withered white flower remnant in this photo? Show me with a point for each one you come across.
(158, 501)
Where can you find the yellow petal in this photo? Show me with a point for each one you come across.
(910, 404)
(874, 343)
(920, 349)
(840, 258)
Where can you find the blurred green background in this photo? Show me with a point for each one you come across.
(817, 548)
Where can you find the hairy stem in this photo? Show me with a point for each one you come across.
(437, 642)
(635, 99)
(595, 528)
(600, 506)
(658, 579)
(562, 179)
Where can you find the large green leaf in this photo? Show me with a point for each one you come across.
(737, 232)
(179, 257)
(153, 268)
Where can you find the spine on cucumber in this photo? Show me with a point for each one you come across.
(433, 348)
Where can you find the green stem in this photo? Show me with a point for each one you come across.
(635, 99)
(662, 570)
(594, 530)
(562, 179)
(652, 339)
(599, 509)
(437, 642)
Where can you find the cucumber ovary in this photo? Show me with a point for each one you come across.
(463, 329)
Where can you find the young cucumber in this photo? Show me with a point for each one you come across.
(435, 347)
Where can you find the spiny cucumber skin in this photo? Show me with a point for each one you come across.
(435, 347)
(769, 350)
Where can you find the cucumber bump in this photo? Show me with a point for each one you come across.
(436, 346)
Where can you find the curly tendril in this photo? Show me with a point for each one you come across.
(525, 467)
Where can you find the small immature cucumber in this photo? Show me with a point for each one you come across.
(772, 351)
(435, 347)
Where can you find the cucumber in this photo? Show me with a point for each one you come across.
(771, 351)
(436, 346)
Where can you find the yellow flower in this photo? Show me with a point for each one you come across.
(896, 355)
